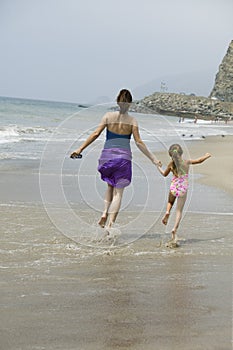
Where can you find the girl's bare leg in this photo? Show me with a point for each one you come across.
(179, 210)
(115, 205)
(171, 201)
(107, 203)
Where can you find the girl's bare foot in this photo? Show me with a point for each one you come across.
(102, 221)
(165, 218)
(173, 241)
(174, 235)
(110, 225)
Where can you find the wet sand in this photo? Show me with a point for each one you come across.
(58, 294)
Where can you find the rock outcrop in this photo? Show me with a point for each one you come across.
(223, 87)
(184, 105)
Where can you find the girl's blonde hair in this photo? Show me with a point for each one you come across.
(175, 152)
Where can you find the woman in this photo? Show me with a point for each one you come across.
(115, 164)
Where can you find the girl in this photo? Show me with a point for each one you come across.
(179, 184)
(115, 161)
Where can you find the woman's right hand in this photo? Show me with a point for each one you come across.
(76, 154)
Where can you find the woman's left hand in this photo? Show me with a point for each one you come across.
(157, 162)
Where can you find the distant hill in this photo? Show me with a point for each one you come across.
(199, 83)
(101, 100)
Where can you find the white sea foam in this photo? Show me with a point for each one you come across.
(25, 131)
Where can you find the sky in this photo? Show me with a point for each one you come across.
(87, 50)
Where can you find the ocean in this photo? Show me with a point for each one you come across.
(26, 126)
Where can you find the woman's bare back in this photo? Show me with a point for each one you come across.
(119, 123)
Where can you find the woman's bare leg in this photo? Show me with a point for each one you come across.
(179, 210)
(115, 205)
(107, 202)
(171, 201)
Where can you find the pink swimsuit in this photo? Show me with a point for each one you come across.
(179, 185)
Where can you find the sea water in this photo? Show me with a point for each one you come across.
(26, 125)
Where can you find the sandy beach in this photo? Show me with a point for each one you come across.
(218, 170)
(57, 294)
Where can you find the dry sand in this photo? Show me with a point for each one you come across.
(218, 170)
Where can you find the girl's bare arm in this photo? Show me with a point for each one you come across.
(166, 171)
(199, 160)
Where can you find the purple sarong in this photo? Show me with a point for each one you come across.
(115, 166)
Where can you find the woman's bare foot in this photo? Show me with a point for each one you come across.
(165, 218)
(102, 221)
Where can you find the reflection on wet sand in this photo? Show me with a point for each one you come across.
(57, 294)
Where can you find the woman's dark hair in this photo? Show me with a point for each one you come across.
(124, 99)
(175, 152)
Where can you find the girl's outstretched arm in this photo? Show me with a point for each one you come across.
(199, 160)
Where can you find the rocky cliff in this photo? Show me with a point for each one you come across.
(218, 105)
(223, 87)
